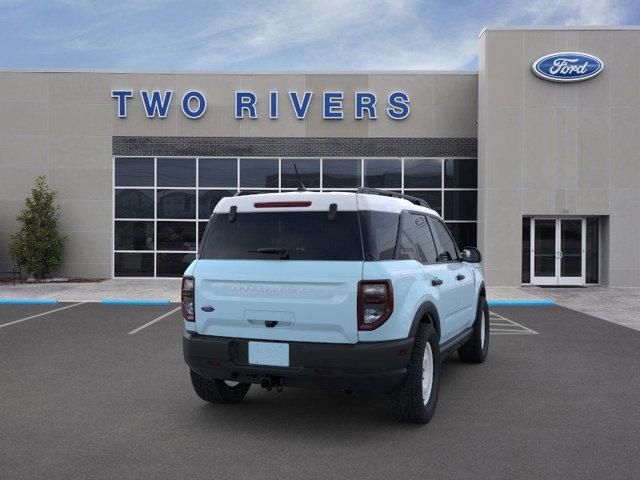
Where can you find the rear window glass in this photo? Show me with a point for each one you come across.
(295, 235)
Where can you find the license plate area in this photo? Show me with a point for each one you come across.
(269, 353)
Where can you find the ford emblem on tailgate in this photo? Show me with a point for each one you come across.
(567, 66)
(207, 308)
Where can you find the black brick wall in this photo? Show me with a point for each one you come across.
(295, 146)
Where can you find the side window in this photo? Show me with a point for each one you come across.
(405, 247)
(448, 250)
(425, 246)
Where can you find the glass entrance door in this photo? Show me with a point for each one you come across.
(543, 252)
(558, 251)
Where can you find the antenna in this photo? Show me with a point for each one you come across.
(301, 187)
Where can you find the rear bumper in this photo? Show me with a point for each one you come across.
(373, 367)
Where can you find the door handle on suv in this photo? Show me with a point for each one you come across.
(459, 277)
(436, 281)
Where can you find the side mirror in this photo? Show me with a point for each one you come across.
(471, 255)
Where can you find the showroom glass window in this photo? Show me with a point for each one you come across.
(162, 205)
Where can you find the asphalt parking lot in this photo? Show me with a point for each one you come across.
(86, 393)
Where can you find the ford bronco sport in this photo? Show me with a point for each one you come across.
(358, 291)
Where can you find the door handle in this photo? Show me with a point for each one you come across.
(436, 281)
(459, 277)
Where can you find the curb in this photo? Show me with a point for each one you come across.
(28, 301)
(115, 301)
(520, 303)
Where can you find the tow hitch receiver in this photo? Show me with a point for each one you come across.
(269, 383)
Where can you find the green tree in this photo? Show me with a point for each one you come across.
(38, 246)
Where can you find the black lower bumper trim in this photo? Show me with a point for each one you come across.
(371, 366)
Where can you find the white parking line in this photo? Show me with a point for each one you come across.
(165, 315)
(40, 314)
(504, 326)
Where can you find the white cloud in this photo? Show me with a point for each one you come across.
(383, 35)
(329, 26)
(570, 12)
(300, 34)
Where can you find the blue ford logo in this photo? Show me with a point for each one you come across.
(207, 308)
(567, 66)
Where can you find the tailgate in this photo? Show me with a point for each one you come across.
(304, 301)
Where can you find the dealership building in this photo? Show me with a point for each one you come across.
(534, 158)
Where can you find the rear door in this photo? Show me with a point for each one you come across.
(460, 275)
(438, 276)
(280, 273)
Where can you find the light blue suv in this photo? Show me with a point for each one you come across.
(358, 291)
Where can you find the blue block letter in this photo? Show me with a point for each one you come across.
(156, 104)
(186, 107)
(365, 101)
(299, 108)
(398, 105)
(332, 108)
(246, 101)
(122, 96)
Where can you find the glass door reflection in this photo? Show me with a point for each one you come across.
(544, 249)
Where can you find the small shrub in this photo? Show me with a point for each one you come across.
(38, 246)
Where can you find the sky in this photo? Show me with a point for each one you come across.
(277, 35)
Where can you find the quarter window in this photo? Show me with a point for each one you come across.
(425, 246)
(405, 249)
(380, 232)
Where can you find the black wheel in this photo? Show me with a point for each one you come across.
(218, 391)
(476, 348)
(414, 401)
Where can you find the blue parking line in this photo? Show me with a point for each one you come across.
(28, 301)
(114, 301)
(520, 303)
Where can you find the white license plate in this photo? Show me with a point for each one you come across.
(269, 353)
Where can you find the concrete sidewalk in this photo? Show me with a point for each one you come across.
(617, 305)
(614, 304)
(121, 289)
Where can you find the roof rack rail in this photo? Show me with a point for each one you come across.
(386, 193)
(242, 193)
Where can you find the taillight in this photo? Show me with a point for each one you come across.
(375, 303)
(188, 299)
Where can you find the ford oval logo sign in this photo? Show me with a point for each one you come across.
(567, 66)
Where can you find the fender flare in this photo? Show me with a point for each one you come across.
(427, 308)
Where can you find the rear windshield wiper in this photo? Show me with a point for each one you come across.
(284, 254)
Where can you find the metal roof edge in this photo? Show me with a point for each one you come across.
(561, 27)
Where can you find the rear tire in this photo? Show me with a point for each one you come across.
(218, 391)
(414, 401)
(475, 350)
